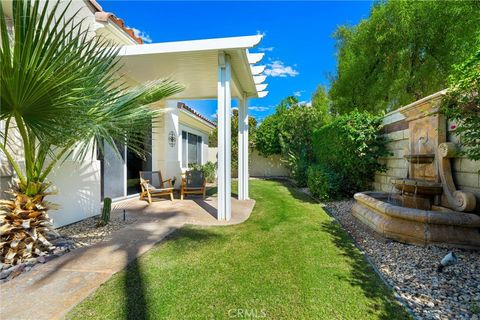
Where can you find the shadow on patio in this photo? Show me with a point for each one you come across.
(65, 281)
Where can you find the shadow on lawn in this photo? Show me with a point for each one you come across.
(136, 306)
(363, 275)
(299, 195)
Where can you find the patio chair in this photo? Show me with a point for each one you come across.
(193, 183)
(152, 185)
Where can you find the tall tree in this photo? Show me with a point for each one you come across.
(321, 102)
(252, 127)
(405, 50)
(289, 132)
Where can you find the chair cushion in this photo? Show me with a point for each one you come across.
(194, 179)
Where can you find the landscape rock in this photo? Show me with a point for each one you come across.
(412, 271)
(81, 234)
(5, 273)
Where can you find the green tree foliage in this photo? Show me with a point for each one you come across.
(404, 51)
(346, 153)
(321, 102)
(252, 127)
(289, 132)
(267, 140)
(462, 104)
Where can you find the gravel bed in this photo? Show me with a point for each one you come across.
(412, 271)
(80, 234)
(87, 232)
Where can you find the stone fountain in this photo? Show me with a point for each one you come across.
(425, 208)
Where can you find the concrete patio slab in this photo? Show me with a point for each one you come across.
(49, 291)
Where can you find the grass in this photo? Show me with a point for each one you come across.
(290, 260)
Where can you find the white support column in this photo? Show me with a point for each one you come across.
(224, 178)
(243, 149)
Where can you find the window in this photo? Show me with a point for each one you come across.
(191, 149)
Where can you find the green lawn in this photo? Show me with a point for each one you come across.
(290, 260)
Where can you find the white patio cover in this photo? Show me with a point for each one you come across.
(221, 69)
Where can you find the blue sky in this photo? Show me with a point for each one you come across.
(300, 50)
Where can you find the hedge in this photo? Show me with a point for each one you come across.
(349, 147)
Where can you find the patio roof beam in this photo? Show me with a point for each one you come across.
(224, 137)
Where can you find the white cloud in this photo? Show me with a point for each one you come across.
(298, 93)
(258, 108)
(263, 49)
(213, 116)
(142, 35)
(278, 69)
(261, 33)
(307, 103)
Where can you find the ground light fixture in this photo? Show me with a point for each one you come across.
(449, 260)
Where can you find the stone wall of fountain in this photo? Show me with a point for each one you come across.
(423, 205)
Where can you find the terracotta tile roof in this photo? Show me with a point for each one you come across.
(103, 16)
(183, 106)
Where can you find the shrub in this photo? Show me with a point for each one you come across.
(252, 127)
(350, 147)
(208, 170)
(322, 182)
(266, 139)
(289, 132)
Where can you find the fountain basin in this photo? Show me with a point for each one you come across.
(420, 158)
(422, 227)
(420, 187)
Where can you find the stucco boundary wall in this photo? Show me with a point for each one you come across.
(258, 165)
(465, 171)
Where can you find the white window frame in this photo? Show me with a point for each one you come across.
(196, 133)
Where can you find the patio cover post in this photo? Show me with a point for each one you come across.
(224, 138)
(243, 148)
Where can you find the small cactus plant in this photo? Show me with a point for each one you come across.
(107, 207)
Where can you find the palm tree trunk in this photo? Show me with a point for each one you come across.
(26, 229)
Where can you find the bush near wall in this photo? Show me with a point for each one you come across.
(346, 155)
(323, 183)
(289, 132)
(209, 169)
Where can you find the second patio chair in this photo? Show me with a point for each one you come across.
(193, 183)
(152, 185)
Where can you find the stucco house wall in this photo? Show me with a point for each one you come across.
(78, 183)
(167, 157)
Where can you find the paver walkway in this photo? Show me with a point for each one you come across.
(49, 291)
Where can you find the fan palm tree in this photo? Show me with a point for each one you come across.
(61, 96)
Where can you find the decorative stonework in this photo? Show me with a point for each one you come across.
(424, 205)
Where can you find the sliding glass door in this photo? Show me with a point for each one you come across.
(120, 172)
